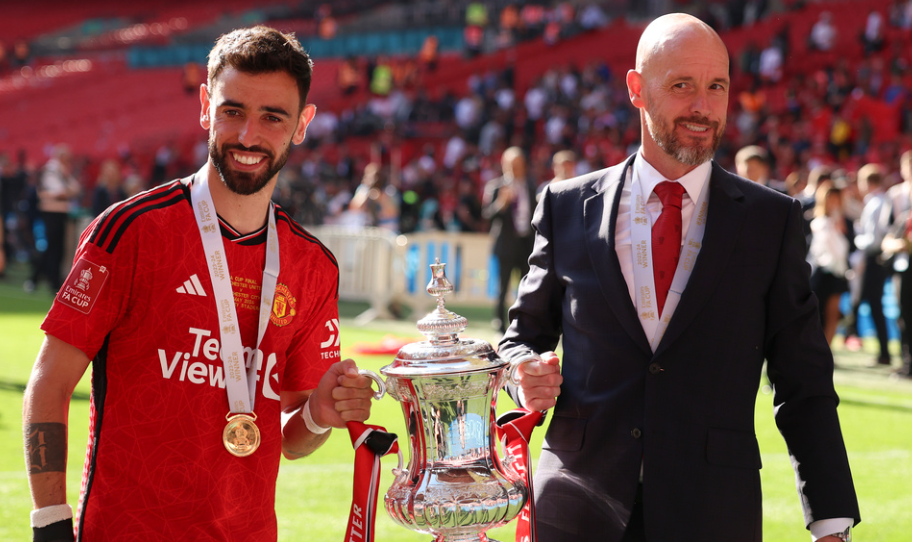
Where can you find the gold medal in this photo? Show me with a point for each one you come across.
(241, 436)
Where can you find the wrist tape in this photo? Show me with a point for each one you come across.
(309, 421)
(52, 523)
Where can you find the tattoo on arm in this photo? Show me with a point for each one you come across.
(46, 447)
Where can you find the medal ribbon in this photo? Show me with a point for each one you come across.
(641, 238)
(514, 428)
(371, 442)
(241, 385)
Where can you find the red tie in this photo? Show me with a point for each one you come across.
(666, 239)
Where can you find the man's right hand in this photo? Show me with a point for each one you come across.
(539, 382)
(505, 195)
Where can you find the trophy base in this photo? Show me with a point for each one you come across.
(480, 537)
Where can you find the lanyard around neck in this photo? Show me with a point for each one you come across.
(241, 384)
(644, 279)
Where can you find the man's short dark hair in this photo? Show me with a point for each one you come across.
(262, 50)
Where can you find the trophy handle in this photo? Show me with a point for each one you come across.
(514, 365)
(381, 386)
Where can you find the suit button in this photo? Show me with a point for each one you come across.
(655, 368)
(636, 433)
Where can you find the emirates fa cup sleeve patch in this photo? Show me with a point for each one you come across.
(83, 285)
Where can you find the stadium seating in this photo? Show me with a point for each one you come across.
(113, 105)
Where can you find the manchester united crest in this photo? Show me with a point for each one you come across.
(283, 306)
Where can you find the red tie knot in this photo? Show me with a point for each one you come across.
(670, 193)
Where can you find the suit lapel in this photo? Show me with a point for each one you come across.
(723, 226)
(599, 217)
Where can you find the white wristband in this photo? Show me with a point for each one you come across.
(309, 421)
(50, 514)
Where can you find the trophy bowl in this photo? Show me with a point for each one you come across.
(455, 486)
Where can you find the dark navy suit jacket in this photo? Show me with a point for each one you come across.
(686, 412)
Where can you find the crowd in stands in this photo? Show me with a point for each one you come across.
(828, 129)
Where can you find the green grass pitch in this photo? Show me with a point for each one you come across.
(313, 494)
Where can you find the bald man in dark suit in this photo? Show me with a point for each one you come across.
(669, 281)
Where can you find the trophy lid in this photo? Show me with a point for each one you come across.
(443, 352)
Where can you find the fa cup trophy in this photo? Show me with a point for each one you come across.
(455, 486)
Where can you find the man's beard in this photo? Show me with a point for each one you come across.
(242, 182)
(667, 139)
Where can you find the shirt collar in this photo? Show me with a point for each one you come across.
(648, 177)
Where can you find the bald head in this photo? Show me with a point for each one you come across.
(669, 32)
(680, 85)
(513, 162)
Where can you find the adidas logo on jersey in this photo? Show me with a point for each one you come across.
(192, 287)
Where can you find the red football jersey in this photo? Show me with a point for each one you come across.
(140, 304)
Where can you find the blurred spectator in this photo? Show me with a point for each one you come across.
(133, 182)
(429, 213)
(752, 162)
(477, 14)
(468, 216)
(898, 244)
(13, 184)
(191, 78)
(467, 115)
(900, 194)
(22, 54)
(558, 129)
(901, 14)
(323, 126)
(200, 152)
(493, 133)
(552, 32)
(872, 228)
(476, 19)
(532, 17)
(428, 53)
(349, 76)
(405, 73)
(57, 192)
(381, 78)
(794, 184)
(535, 100)
(326, 23)
(808, 197)
(336, 199)
(829, 256)
(749, 60)
(823, 33)
(454, 150)
(770, 63)
(4, 58)
(564, 167)
(161, 168)
(473, 37)
(509, 26)
(592, 17)
(753, 11)
(873, 38)
(108, 187)
(508, 203)
(376, 201)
